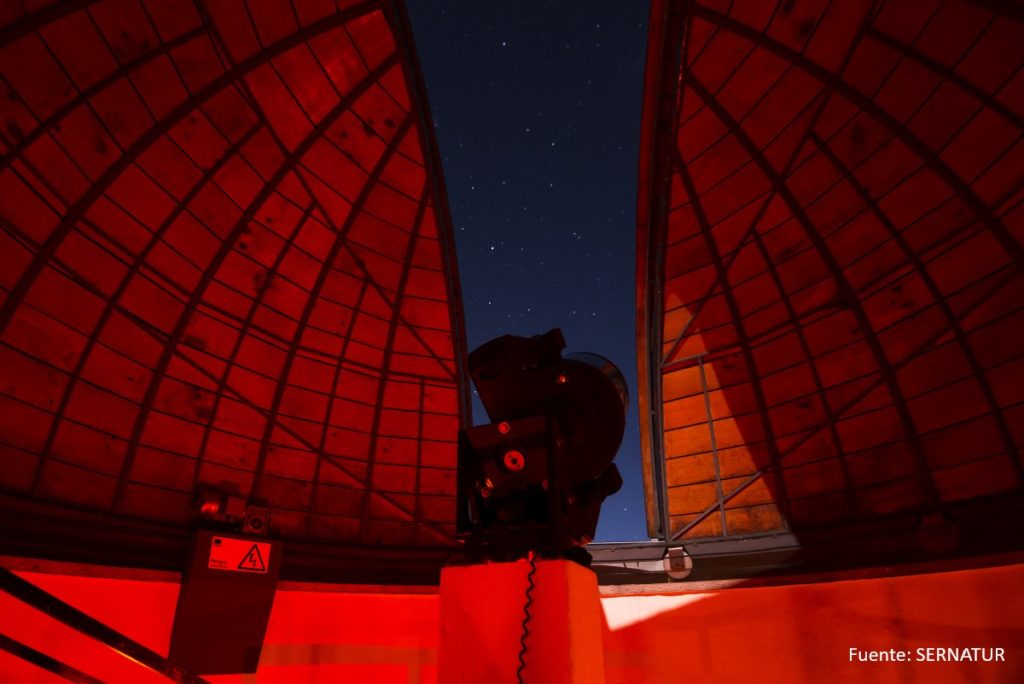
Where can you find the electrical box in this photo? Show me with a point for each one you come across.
(227, 592)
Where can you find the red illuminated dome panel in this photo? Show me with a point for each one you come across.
(831, 290)
(226, 263)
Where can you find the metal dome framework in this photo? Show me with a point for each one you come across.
(830, 288)
(227, 263)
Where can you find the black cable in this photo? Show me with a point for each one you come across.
(526, 617)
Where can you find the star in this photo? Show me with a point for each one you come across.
(566, 234)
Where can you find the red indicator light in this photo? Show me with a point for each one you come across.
(514, 461)
(504, 427)
(562, 379)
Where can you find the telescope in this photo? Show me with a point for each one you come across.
(533, 479)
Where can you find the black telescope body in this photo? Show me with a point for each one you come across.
(534, 478)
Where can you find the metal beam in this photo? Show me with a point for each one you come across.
(128, 648)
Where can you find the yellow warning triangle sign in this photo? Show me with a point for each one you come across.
(253, 561)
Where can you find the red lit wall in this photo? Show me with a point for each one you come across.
(225, 262)
(316, 632)
(803, 633)
(786, 633)
(831, 269)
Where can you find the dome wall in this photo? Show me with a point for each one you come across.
(227, 264)
(830, 280)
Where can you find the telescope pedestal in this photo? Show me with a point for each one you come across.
(482, 622)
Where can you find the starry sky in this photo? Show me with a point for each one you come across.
(537, 110)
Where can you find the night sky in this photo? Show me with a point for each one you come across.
(537, 109)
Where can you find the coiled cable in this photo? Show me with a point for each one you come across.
(532, 558)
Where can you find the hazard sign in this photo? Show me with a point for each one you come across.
(240, 555)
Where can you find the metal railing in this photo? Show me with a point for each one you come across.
(61, 611)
